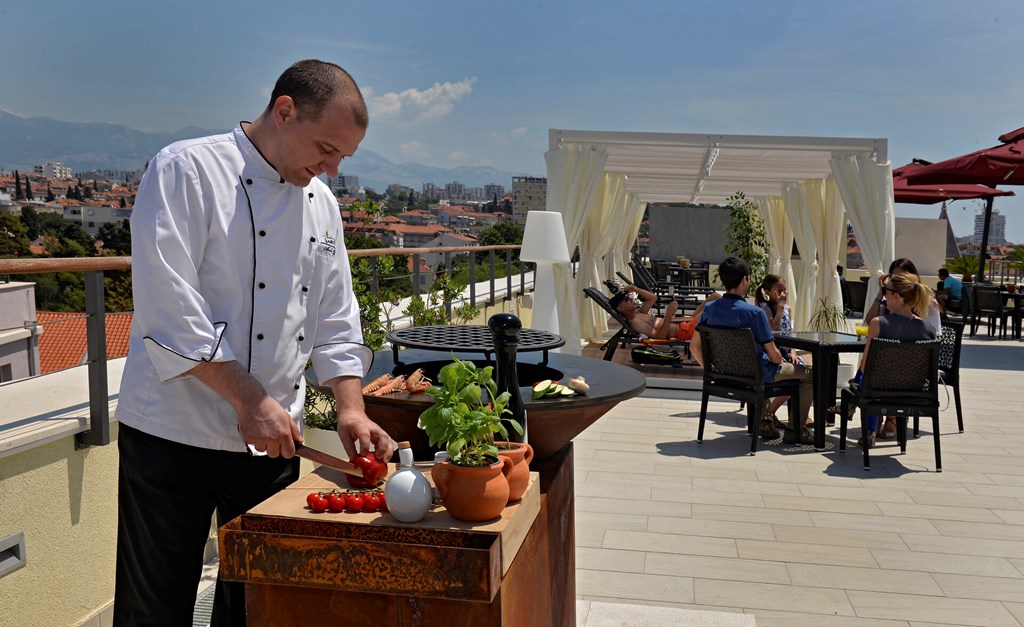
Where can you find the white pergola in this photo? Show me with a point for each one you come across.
(775, 171)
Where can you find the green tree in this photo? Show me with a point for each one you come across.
(14, 241)
(116, 238)
(499, 234)
(358, 241)
(17, 186)
(28, 190)
(746, 237)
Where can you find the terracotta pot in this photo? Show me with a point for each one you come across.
(473, 493)
(519, 479)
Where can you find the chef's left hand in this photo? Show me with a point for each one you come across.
(355, 426)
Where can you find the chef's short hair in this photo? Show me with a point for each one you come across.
(313, 84)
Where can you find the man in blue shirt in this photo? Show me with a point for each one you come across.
(949, 295)
(733, 312)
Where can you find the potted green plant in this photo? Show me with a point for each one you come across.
(466, 416)
(964, 265)
(747, 237)
(827, 317)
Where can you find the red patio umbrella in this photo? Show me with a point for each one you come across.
(998, 165)
(932, 194)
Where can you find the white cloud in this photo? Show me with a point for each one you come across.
(414, 149)
(459, 156)
(518, 132)
(413, 105)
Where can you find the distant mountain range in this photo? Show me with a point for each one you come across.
(25, 142)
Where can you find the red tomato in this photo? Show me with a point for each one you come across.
(373, 470)
(371, 502)
(354, 502)
(336, 502)
(310, 497)
(383, 503)
(357, 482)
(319, 504)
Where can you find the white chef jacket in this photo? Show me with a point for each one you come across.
(230, 262)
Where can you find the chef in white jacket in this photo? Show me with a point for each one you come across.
(240, 277)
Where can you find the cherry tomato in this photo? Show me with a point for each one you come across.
(319, 504)
(383, 502)
(310, 497)
(354, 502)
(336, 502)
(371, 502)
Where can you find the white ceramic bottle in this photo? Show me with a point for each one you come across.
(407, 491)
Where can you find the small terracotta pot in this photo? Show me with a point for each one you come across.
(473, 493)
(519, 479)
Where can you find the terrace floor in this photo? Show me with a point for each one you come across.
(793, 536)
(672, 532)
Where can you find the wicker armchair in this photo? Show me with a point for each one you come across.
(949, 365)
(900, 379)
(732, 369)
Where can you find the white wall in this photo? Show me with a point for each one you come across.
(923, 241)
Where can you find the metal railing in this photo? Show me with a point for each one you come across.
(98, 433)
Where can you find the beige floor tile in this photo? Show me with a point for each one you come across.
(938, 512)
(794, 619)
(610, 559)
(1014, 480)
(749, 487)
(747, 514)
(978, 587)
(621, 490)
(675, 470)
(640, 508)
(805, 553)
(997, 531)
(655, 604)
(875, 604)
(623, 480)
(713, 528)
(616, 458)
(634, 586)
(1016, 563)
(944, 563)
(851, 578)
(1003, 460)
(590, 526)
(1017, 609)
(964, 546)
(582, 610)
(1010, 517)
(966, 500)
(880, 495)
(800, 476)
(838, 537)
(669, 543)
(716, 568)
(768, 596)
(893, 524)
(1016, 492)
(638, 467)
(648, 447)
(709, 497)
(813, 504)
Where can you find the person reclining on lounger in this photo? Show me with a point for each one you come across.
(643, 322)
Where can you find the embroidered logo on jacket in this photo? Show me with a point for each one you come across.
(328, 245)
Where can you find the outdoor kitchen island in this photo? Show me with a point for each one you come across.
(302, 568)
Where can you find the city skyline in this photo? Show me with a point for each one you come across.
(465, 84)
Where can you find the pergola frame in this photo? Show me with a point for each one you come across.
(708, 168)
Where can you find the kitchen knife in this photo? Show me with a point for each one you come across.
(326, 459)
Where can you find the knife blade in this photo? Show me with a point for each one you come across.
(326, 459)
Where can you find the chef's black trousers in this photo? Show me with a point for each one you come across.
(167, 494)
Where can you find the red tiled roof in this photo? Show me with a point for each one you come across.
(63, 342)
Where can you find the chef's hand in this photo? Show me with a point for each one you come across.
(355, 426)
(268, 427)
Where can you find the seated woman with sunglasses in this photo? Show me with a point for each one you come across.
(904, 296)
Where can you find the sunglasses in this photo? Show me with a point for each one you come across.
(889, 289)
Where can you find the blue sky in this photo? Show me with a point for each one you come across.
(480, 83)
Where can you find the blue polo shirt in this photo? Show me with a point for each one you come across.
(733, 312)
(954, 286)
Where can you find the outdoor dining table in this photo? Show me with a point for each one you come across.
(694, 277)
(824, 348)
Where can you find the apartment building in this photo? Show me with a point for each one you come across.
(529, 193)
(996, 231)
(92, 217)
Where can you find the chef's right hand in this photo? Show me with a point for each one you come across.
(268, 427)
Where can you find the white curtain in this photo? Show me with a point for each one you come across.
(574, 181)
(866, 190)
(604, 247)
(830, 237)
(780, 236)
(803, 202)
